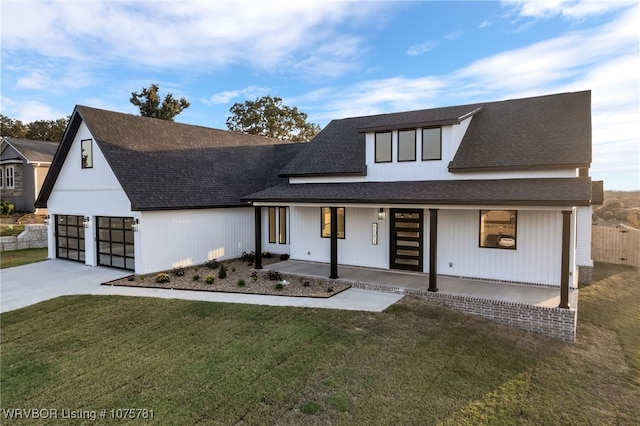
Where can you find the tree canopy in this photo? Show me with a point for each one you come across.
(40, 130)
(267, 116)
(148, 101)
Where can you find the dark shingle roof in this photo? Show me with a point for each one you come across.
(539, 132)
(34, 151)
(165, 165)
(541, 192)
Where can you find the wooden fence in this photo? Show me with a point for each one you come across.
(615, 244)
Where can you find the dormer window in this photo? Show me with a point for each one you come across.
(383, 147)
(407, 145)
(432, 144)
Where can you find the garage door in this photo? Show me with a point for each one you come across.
(115, 242)
(70, 237)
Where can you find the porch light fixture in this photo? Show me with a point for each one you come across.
(380, 213)
(135, 224)
(46, 220)
(85, 222)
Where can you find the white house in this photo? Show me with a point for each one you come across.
(493, 191)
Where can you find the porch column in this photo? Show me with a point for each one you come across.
(566, 250)
(258, 235)
(433, 250)
(334, 242)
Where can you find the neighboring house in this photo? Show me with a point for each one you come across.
(497, 191)
(23, 167)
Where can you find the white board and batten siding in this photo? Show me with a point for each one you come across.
(356, 249)
(174, 238)
(536, 260)
(86, 192)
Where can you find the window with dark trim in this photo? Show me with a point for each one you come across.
(498, 229)
(87, 153)
(282, 225)
(326, 222)
(406, 145)
(272, 224)
(1, 177)
(432, 143)
(383, 147)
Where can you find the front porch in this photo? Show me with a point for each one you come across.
(527, 307)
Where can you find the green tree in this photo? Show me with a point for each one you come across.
(267, 116)
(148, 101)
(12, 128)
(47, 130)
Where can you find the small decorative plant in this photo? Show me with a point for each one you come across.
(196, 277)
(222, 273)
(248, 257)
(306, 283)
(212, 264)
(209, 279)
(178, 271)
(254, 276)
(279, 286)
(266, 255)
(162, 278)
(233, 269)
(131, 278)
(284, 256)
(273, 275)
(241, 283)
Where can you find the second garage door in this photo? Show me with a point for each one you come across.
(115, 242)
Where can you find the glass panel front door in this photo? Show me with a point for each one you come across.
(406, 239)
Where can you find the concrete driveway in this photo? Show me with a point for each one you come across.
(29, 284)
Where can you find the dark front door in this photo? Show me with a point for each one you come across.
(115, 242)
(406, 239)
(70, 237)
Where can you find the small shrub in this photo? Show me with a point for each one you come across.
(284, 256)
(254, 276)
(196, 277)
(306, 283)
(131, 278)
(142, 277)
(241, 283)
(279, 286)
(330, 290)
(248, 257)
(6, 207)
(266, 255)
(163, 278)
(178, 271)
(233, 269)
(212, 264)
(222, 273)
(209, 279)
(273, 275)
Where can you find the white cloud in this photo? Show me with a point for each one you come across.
(454, 35)
(484, 24)
(422, 48)
(570, 9)
(28, 111)
(35, 80)
(197, 35)
(228, 95)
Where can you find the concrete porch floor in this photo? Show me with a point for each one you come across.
(401, 282)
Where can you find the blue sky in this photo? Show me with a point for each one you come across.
(331, 59)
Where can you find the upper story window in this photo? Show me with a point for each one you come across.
(383, 147)
(407, 145)
(432, 144)
(87, 153)
(9, 181)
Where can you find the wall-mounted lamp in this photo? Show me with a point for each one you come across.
(135, 224)
(380, 213)
(46, 220)
(85, 222)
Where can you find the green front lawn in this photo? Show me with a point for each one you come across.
(9, 259)
(213, 363)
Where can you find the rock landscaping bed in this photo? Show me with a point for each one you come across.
(236, 276)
